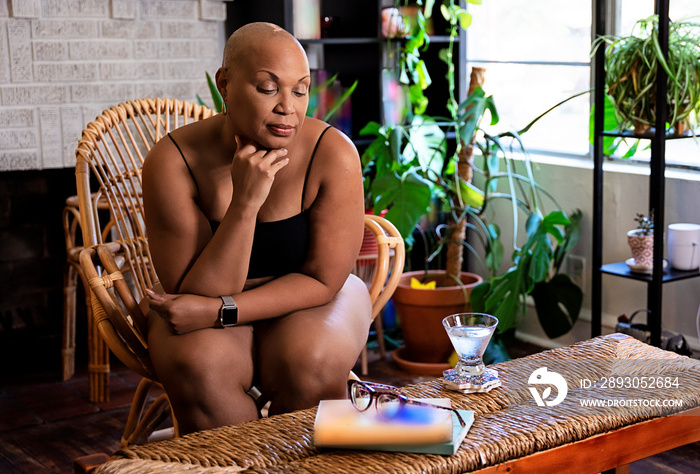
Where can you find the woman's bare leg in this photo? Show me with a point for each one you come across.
(206, 374)
(306, 356)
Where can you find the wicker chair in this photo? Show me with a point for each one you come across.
(111, 153)
(112, 150)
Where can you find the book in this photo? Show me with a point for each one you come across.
(339, 424)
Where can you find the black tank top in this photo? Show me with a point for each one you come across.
(279, 247)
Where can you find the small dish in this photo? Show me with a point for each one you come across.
(641, 268)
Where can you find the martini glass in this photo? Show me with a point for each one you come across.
(470, 333)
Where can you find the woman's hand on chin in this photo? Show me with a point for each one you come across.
(253, 171)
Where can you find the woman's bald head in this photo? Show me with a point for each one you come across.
(264, 82)
(252, 36)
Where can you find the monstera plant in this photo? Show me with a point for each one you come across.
(408, 169)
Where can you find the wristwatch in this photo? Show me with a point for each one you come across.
(228, 313)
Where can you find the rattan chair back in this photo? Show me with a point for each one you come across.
(111, 154)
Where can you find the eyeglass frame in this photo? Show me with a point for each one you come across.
(375, 389)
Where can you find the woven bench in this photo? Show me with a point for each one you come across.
(510, 430)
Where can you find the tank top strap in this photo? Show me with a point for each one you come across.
(308, 170)
(186, 163)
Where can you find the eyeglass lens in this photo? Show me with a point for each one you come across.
(360, 396)
(388, 405)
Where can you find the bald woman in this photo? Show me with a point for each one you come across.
(254, 221)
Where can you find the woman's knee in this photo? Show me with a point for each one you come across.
(201, 362)
(317, 371)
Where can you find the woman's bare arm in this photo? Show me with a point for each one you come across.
(188, 258)
(177, 228)
(337, 220)
(336, 236)
(222, 266)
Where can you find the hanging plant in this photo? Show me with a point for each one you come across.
(632, 63)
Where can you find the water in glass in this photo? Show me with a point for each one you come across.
(470, 333)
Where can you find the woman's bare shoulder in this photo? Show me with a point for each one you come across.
(166, 167)
(180, 149)
(162, 158)
(336, 169)
(335, 147)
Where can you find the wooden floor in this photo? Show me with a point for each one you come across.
(45, 424)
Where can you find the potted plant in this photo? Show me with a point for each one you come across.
(631, 64)
(407, 167)
(641, 241)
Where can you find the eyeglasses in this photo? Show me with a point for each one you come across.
(388, 401)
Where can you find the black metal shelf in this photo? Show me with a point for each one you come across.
(657, 166)
(669, 274)
(646, 136)
(342, 41)
(371, 40)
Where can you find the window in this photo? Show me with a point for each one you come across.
(537, 54)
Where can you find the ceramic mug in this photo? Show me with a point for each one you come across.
(684, 246)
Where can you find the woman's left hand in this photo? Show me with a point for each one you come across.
(182, 313)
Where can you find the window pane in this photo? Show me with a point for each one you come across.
(522, 92)
(514, 30)
(556, 39)
(633, 10)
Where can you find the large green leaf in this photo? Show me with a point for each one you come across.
(477, 298)
(540, 249)
(558, 303)
(502, 297)
(426, 144)
(471, 112)
(572, 232)
(407, 198)
(372, 128)
(494, 248)
(470, 195)
(539, 245)
(610, 122)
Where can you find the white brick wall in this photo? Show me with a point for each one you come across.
(64, 61)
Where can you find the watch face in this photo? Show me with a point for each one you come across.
(229, 316)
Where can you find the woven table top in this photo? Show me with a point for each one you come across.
(634, 382)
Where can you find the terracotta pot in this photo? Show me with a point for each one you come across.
(642, 248)
(421, 312)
